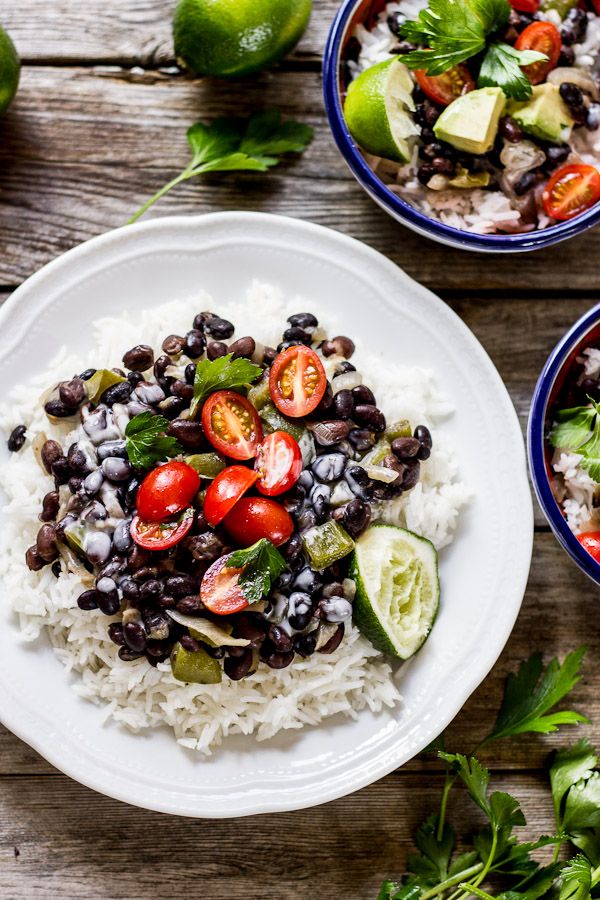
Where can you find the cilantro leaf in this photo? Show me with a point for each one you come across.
(494, 14)
(530, 694)
(576, 879)
(432, 864)
(262, 564)
(223, 373)
(236, 144)
(568, 768)
(536, 886)
(588, 841)
(573, 427)
(501, 67)
(451, 32)
(475, 776)
(146, 442)
(582, 807)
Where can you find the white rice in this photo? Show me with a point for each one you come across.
(355, 677)
(473, 210)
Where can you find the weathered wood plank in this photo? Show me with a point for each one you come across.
(555, 618)
(74, 843)
(122, 136)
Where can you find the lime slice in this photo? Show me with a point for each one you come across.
(397, 588)
(378, 110)
(230, 38)
(10, 67)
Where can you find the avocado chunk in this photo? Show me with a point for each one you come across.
(544, 115)
(470, 122)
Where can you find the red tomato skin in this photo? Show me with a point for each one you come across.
(302, 406)
(545, 38)
(219, 590)
(278, 464)
(225, 490)
(142, 533)
(167, 490)
(528, 6)
(595, 4)
(253, 518)
(246, 448)
(590, 541)
(443, 89)
(570, 172)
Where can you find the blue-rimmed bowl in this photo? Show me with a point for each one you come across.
(350, 14)
(584, 333)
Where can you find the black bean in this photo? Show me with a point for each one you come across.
(305, 644)
(200, 319)
(307, 581)
(293, 501)
(334, 641)
(115, 633)
(279, 660)
(107, 449)
(344, 366)
(236, 669)
(295, 333)
(369, 416)
(188, 433)
(359, 482)
(243, 348)
(216, 349)
(122, 539)
(218, 328)
(87, 374)
(303, 320)
(57, 409)
(361, 438)
(280, 639)
(525, 183)
(173, 345)
(131, 590)
(116, 469)
(251, 628)
(77, 460)
(128, 655)
(161, 365)
(292, 549)
(342, 404)
(567, 56)
(72, 393)
(320, 497)
(403, 47)
(137, 558)
(423, 435)
(134, 378)
(113, 568)
(269, 355)
(341, 345)
(572, 95)
(61, 470)
(50, 506)
(329, 467)
(510, 129)
(330, 431)
(189, 643)
(109, 603)
(195, 343)
(129, 494)
(139, 358)
(285, 345)
(183, 390)
(75, 483)
(135, 636)
(425, 173)
(405, 447)
(17, 438)
(443, 166)
(190, 373)
(357, 516)
(411, 474)
(88, 600)
(361, 394)
(33, 559)
(150, 590)
(165, 602)
(326, 403)
(171, 407)
(206, 547)
(118, 393)
(180, 585)
(189, 605)
(557, 153)
(395, 21)
(577, 20)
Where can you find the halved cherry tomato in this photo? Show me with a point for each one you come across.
(297, 381)
(545, 38)
(278, 463)
(445, 88)
(232, 424)
(225, 490)
(253, 518)
(161, 535)
(167, 490)
(590, 540)
(571, 190)
(220, 591)
(527, 6)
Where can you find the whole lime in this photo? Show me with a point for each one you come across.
(10, 68)
(230, 38)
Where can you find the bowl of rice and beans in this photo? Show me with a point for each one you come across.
(495, 148)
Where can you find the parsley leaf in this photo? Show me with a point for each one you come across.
(501, 67)
(432, 864)
(569, 767)
(236, 144)
(146, 442)
(262, 564)
(530, 694)
(582, 807)
(577, 879)
(223, 373)
(573, 427)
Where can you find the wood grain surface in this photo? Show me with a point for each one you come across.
(99, 125)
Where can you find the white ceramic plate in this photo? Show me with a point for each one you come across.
(483, 573)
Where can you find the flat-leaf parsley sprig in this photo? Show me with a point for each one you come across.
(262, 564)
(146, 441)
(453, 31)
(578, 429)
(235, 144)
(223, 373)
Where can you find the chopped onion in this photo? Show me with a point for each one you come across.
(381, 473)
(576, 76)
(346, 382)
(520, 158)
(210, 632)
(259, 353)
(36, 445)
(326, 632)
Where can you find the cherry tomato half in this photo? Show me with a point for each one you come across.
(590, 540)
(278, 463)
(545, 38)
(445, 88)
(528, 6)
(224, 492)
(571, 190)
(161, 535)
(220, 591)
(253, 518)
(297, 381)
(232, 424)
(166, 490)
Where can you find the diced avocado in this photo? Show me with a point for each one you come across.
(273, 420)
(195, 667)
(208, 465)
(470, 122)
(326, 543)
(544, 115)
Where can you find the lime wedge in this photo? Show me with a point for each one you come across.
(233, 38)
(10, 68)
(378, 110)
(397, 588)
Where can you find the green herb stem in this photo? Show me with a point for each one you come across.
(489, 861)
(477, 891)
(183, 176)
(448, 783)
(453, 881)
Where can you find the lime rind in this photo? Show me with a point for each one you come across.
(397, 588)
(10, 68)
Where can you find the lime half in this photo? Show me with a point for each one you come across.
(230, 38)
(10, 68)
(397, 588)
(378, 110)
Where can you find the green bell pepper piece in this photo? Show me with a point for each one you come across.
(207, 465)
(195, 667)
(326, 543)
(259, 394)
(274, 421)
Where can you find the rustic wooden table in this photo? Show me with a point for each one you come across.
(98, 125)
